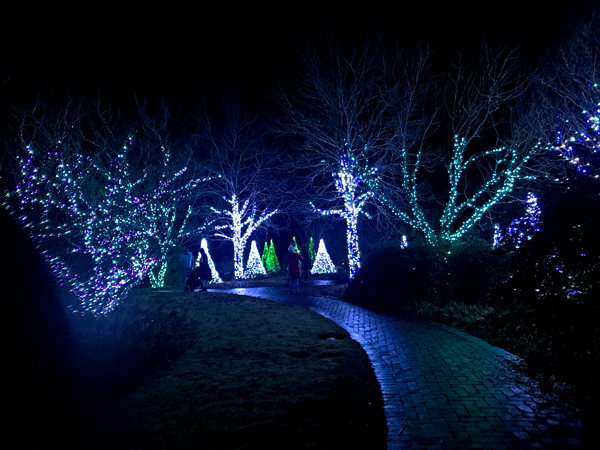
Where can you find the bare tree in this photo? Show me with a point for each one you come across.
(235, 148)
(333, 108)
(494, 144)
(572, 76)
(100, 194)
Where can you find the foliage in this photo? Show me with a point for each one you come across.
(394, 278)
(551, 301)
(456, 313)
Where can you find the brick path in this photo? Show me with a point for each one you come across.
(444, 389)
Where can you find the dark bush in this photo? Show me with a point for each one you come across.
(550, 303)
(393, 279)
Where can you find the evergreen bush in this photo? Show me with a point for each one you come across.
(392, 278)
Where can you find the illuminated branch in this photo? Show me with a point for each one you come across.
(483, 99)
(351, 181)
(241, 223)
(102, 228)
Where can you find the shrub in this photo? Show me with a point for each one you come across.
(456, 313)
(392, 278)
(551, 304)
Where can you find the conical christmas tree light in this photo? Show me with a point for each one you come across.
(311, 249)
(213, 270)
(272, 264)
(323, 263)
(265, 256)
(254, 266)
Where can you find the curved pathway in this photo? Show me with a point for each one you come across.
(442, 388)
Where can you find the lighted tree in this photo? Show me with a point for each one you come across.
(574, 80)
(101, 195)
(520, 229)
(495, 145)
(240, 222)
(323, 263)
(338, 115)
(254, 266)
(213, 270)
(232, 144)
(352, 187)
(101, 242)
(265, 255)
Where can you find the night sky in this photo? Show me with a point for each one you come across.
(168, 50)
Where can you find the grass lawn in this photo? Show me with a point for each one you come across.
(233, 372)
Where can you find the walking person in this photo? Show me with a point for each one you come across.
(185, 266)
(294, 267)
(204, 270)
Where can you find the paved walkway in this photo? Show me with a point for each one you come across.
(444, 389)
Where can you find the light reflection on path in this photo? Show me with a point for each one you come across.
(442, 387)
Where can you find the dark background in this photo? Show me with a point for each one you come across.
(167, 49)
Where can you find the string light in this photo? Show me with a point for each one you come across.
(351, 180)
(311, 249)
(581, 146)
(102, 228)
(213, 270)
(323, 263)
(254, 265)
(520, 229)
(404, 242)
(269, 258)
(236, 219)
(462, 211)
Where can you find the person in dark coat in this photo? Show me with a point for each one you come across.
(204, 271)
(305, 262)
(294, 267)
(192, 281)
